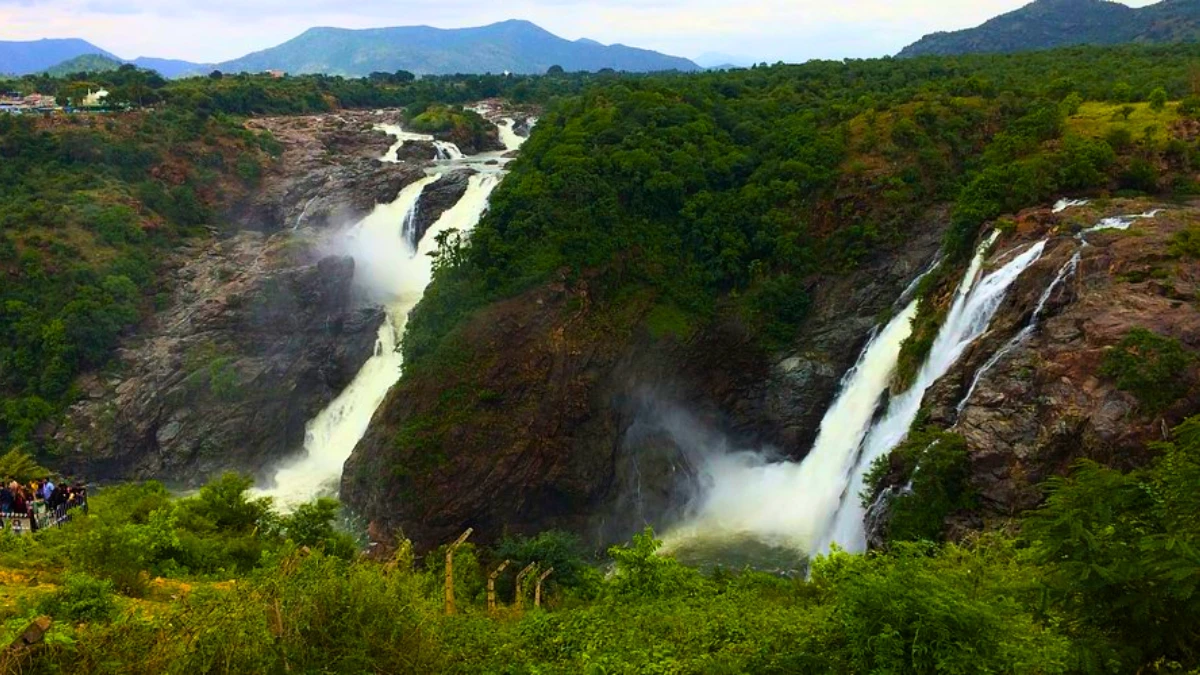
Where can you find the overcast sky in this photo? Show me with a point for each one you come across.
(759, 30)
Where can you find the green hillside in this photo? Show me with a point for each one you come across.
(1046, 24)
(87, 63)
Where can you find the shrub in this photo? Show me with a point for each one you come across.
(1154, 368)
(21, 467)
(1119, 549)
(1158, 99)
(933, 467)
(82, 598)
(1186, 243)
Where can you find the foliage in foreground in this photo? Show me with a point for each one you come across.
(1102, 579)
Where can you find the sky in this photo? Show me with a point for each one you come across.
(212, 31)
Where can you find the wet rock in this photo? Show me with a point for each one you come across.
(1045, 405)
(254, 344)
(436, 199)
(329, 173)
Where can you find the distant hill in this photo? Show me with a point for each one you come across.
(514, 46)
(723, 61)
(172, 68)
(87, 63)
(23, 58)
(1046, 24)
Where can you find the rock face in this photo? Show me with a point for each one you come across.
(1045, 404)
(254, 344)
(435, 200)
(262, 328)
(557, 415)
(328, 174)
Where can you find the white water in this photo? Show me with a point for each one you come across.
(1065, 271)
(788, 504)
(508, 137)
(972, 311)
(443, 150)
(1120, 222)
(303, 213)
(387, 267)
(807, 506)
(1064, 204)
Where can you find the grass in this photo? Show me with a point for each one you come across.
(1096, 120)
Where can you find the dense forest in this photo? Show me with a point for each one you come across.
(714, 195)
(724, 193)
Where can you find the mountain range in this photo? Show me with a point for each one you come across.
(512, 46)
(1046, 24)
(509, 46)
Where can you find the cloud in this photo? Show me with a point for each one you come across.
(766, 30)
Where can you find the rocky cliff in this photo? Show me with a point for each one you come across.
(261, 328)
(1047, 403)
(554, 413)
(1047, 400)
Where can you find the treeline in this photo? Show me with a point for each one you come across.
(742, 185)
(1102, 579)
(264, 94)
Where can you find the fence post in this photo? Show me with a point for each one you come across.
(450, 569)
(537, 593)
(491, 591)
(519, 600)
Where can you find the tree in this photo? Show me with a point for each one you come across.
(216, 75)
(1122, 92)
(555, 70)
(1158, 99)
(1070, 105)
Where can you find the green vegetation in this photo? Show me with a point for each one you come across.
(931, 469)
(464, 127)
(19, 466)
(730, 192)
(1186, 243)
(87, 63)
(1156, 369)
(1102, 579)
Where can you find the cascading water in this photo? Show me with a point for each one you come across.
(389, 268)
(1064, 272)
(807, 506)
(974, 306)
(788, 504)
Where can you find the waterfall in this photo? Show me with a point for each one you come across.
(1065, 271)
(809, 505)
(1119, 222)
(974, 306)
(447, 151)
(303, 213)
(788, 504)
(388, 268)
(508, 137)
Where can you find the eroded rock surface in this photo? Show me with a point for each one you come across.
(254, 344)
(1045, 404)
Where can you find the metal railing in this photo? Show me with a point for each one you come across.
(43, 517)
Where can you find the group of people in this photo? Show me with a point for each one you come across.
(43, 502)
